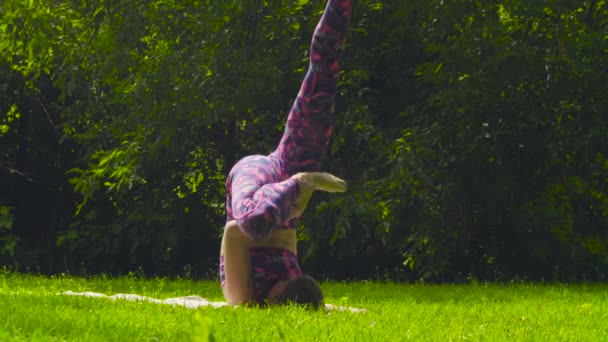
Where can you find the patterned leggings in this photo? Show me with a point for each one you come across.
(260, 195)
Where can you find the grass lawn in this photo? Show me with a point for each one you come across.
(30, 309)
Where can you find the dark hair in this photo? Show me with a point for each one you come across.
(302, 290)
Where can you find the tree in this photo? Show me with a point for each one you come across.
(472, 134)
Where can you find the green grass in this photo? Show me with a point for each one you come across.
(31, 310)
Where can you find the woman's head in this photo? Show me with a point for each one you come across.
(300, 290)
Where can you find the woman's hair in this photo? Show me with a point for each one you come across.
(302, 290)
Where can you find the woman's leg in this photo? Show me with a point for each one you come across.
(264, 191)
(257, 198)
(310, 122)
(260, 203)
(254, 201)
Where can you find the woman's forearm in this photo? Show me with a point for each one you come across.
(238, 288)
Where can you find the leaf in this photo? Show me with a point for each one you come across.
(98, 10)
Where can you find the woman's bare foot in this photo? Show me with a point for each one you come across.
(327, 182)
(322, 181)
(311, 181)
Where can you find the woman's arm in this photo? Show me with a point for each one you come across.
(238, 288)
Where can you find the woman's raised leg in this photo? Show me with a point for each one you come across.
(310, 122)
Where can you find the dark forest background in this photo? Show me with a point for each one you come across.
(473, 135)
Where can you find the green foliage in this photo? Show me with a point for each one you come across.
(6, 219)
(517, 91)
(8, 240)
(472, 133)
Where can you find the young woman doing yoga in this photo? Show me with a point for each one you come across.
(267, 194)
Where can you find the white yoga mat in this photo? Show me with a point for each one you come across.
(190, 302)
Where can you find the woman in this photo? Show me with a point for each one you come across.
(267, 194)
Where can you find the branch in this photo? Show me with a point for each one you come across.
(17, 173)
(48, 116)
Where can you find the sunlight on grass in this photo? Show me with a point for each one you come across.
(30, 309)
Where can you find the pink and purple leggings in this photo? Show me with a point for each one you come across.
(260, 193)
